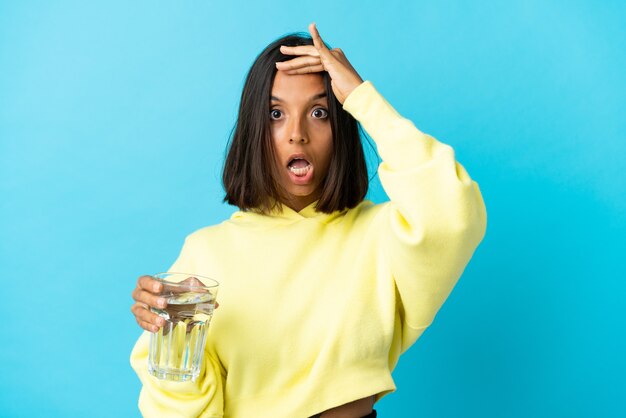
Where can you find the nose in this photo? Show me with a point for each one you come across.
(301, 140)
(297, 131)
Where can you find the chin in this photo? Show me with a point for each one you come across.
(302, 192)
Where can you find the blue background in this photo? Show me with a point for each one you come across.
(114, 118)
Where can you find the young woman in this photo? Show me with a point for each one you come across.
(320, 290)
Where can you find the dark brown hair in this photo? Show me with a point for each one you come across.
(250, 172)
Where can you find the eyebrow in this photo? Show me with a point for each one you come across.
(317, 96)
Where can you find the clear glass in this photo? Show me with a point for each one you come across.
(176, 351)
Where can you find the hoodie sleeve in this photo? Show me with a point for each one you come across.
(163, 399)
(436, 216)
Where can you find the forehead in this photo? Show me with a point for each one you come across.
(297, 87)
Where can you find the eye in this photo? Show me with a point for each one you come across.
(273, 114)
(321, 113)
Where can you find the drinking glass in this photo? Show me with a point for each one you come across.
(177, 349)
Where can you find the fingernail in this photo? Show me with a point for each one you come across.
(161, 303)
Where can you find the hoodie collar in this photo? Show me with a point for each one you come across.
(283, 213)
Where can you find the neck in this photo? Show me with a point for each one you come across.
(297, 203)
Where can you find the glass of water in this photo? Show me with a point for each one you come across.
(177, 349)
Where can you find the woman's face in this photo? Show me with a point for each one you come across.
(302, 135)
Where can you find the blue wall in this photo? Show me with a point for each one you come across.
(114, 118)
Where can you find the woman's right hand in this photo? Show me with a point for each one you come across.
(146, 295)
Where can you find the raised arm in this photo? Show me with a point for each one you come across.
(436, 216)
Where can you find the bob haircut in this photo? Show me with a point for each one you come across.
(250, 170)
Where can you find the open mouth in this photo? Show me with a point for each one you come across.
(299, 166)
(300, 169)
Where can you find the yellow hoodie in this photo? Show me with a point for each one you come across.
(315, 309)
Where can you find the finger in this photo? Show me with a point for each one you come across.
(337, 52)
(147, 298)
(148, 326)
(299, 62)
(149, 283)
(145, 315)
(300, 50)
(306, 70)
(193, 281)
(317, 39)
(138, 305)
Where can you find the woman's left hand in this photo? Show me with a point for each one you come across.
(315, 58)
